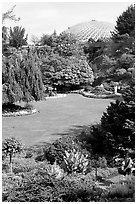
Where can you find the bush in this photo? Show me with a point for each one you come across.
(76, 161)
(56, 151)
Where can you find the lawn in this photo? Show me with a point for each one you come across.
(56, 117)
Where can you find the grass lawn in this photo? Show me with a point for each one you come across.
(57, 117)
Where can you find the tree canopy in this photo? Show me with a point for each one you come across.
(63, 63)
(17, 37)
(126, 22)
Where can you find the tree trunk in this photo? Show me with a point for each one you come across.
(96, 173)
(11, 163)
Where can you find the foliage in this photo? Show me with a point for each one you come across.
(49, 40)
(117, 128)
(112, 59)
(9, 15)
(66, 73)
(10, 147)
(126, 22)
(123, 190)
(55, 171)
(97, 90)
(75, 161)
(17, 37)
(20, 165)
(63, 64)
(34, 186)
(62, 150)
(21, 77)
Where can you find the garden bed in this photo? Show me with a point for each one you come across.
(9, 110)
(100, 96)
(97, 96)
(19, 113)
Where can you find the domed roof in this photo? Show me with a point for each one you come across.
(92, 29)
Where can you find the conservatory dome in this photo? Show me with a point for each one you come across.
(92, 29)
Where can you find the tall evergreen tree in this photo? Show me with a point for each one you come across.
(126, 22)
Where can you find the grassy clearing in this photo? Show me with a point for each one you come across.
(56, 117)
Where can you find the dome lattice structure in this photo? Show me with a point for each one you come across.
(92, 29)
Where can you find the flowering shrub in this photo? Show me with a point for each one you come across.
(76, 161)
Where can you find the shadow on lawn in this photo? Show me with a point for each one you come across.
(75, 130)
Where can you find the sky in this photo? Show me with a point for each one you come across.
(40, 18)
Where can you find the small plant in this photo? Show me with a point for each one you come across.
(10, 147)
(76, 161)
(55, 171)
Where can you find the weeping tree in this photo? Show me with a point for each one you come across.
(21, 77)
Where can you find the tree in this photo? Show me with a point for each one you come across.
(5, 36)
(10, 147)
(118, 123)
(35, 40)
(126, 22)
(9, 15)
(63, 63)
(68, 45)
(21, 77)
(50, 40)
(66, 72)
(17, 37)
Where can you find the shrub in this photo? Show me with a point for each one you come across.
(75, 161)
(56, 151)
